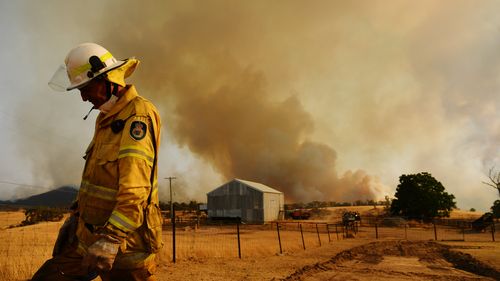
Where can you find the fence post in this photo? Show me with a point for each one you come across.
(317, 231)
(328, 231)
(376, 231)
(173, 233)
(279, 237)
(336, 232)
(493, 231)
(238, 232)
(302, 234)
(435, 231)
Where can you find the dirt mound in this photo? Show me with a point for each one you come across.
(398, 260)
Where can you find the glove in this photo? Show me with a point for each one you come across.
(66, 236)
(101, 255)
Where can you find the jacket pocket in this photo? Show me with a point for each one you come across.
(107, 153)
(105, 171)
(152, 233)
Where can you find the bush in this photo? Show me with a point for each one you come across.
(39, 214)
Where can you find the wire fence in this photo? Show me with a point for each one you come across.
(24, 249)
(198, 241)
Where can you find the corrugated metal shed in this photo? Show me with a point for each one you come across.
(250, 201)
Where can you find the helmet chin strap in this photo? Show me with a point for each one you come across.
(109, 93)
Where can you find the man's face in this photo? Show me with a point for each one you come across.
(94, 92)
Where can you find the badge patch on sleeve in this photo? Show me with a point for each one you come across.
(138, 130)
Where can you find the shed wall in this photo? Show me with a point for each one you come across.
(273, 203)
(235, 199)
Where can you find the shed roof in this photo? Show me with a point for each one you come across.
(259, 186)
(255, 185)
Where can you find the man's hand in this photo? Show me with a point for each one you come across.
(101, 255)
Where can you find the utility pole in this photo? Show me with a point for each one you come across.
(172, 217)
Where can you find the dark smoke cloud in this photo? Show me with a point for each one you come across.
(223, 108)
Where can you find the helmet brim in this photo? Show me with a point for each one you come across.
(103, 71)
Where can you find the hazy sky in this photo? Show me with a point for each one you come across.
(325, 100)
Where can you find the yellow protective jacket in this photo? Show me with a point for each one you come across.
(120, 170)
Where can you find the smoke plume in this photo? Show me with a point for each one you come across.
(223, 107)
(312, 98)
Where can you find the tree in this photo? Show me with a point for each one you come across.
(387, 202)
(421, 196)
(495, 180)
(495, 209)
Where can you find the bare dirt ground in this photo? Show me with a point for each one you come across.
(398, 260)
(258, 268)
(353, 259)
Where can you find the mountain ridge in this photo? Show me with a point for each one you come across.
(61, 197)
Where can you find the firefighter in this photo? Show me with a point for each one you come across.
(114, 230)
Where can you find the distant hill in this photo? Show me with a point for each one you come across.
(60, 197)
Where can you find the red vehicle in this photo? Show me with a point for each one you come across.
(300, 214)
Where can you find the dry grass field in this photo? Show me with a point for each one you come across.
(8, 218)
(211, 252)
(467, 215)
(24, 249)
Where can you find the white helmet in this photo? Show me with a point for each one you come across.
(82, 64)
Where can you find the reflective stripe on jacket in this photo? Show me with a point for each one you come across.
(118, 176)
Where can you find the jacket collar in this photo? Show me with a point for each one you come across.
(124, 100)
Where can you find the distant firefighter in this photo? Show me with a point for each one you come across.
(348, 218)
(114, 230)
